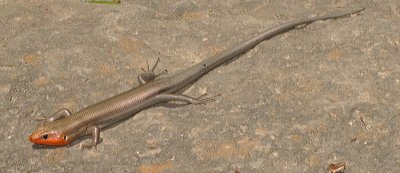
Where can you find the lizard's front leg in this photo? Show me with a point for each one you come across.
(60, 114)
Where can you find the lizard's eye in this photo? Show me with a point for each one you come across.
(45, 136)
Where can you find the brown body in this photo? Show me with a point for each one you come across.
(63, 127)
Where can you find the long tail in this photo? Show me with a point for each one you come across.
(209, 64)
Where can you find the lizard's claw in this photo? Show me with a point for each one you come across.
(203, 99)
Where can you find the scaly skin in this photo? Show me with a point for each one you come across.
(63, 127)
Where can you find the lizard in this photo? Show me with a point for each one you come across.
(64, 127)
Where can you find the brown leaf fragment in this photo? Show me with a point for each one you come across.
(337, 167)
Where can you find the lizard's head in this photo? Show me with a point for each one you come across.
(49, 137)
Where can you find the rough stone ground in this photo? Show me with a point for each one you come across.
(326, 93)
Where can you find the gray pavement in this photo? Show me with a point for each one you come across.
(326, 93)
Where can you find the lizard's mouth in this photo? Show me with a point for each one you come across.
(51, 138)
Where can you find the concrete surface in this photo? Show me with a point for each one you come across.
(326, 93)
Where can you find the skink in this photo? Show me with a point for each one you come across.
(64, 127)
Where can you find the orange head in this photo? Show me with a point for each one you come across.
(44, 137)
